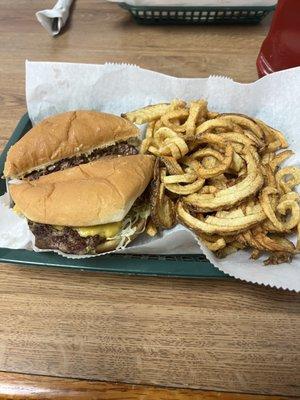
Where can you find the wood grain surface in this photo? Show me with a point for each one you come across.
(215, 335)
(203, 334)
(23, 387)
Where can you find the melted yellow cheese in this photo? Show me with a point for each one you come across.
(106, 230)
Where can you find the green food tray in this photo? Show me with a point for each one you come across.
(197, 15)
(188, 266)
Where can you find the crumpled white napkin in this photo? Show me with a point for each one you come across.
(54, 19)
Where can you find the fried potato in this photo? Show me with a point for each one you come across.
(244, 121)
(208, 154)
(259, 240)
(269, 176)
(280, 158)
(182, 178)
(217, 169)
(279, 258)
(287, 178)
(208, 189)
(291, 207)
(146, 143)
(172, 165)
(287, 205)
(151, 229)
(212, 114)
(212, 124)
(224, 171)
(169, 143)
(275, 139)
(255, 254)
(153, 150)
(150, 129)
(234, 137)
(185, 189)
(229, 249)
(225, 159)
(228, 197)
(209, 162)
(180, 114)
(197, 109)
(147, 114)
(157, 125)
(152, 112)
(213, 243)
(237, 163)
(162, 207)
(267, 158)
(162, 134)
(174, 146)
(220, 226)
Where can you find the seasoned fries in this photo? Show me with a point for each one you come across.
(219, 174)
(147, 114)
(151, 229)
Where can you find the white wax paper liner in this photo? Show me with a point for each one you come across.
(117, 88)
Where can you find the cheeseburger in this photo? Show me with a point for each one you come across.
(87, 209)
(69, 139)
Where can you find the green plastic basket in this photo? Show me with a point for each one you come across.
(197, 15)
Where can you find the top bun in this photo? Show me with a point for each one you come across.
(96, 193)
(63, 136)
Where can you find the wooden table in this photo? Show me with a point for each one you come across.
(206, 334)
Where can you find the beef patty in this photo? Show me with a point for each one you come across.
(122, 149)
(64, 239)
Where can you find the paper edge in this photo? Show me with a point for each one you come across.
(207, 254)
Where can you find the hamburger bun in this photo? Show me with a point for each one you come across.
(63, 136)
(96, 193)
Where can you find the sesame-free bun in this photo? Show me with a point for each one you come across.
(63, 136)
(96, 193)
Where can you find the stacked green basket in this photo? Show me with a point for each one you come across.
(197, 15)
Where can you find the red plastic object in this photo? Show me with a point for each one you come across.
(281, 48)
